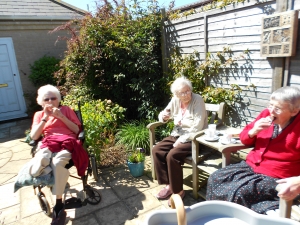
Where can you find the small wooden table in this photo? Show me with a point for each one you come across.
(216, 144)
(214, 161)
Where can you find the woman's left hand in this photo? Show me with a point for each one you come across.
(176, 143)
(57, 113)
(290, 188)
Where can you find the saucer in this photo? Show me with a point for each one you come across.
(216, 133)
(225, 142)
(215, 138)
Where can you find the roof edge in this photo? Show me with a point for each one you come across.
(73, 8)
(51, 18)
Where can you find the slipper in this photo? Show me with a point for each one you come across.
(182, 196)
(164, 193)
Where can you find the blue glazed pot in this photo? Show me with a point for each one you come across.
(136, 169)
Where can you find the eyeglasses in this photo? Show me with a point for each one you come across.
(182, 94)
(275, 109)
(48, 99)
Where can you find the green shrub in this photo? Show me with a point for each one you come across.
(164, 131)
(133, 135)
(101, 119)
(77, 94)
(42, 71)
(117, 54)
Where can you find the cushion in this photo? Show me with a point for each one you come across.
(25, 179)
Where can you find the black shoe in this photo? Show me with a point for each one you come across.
(59, 218)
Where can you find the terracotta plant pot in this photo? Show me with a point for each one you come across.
(136, 169)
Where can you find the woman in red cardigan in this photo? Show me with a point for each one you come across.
(275, 158)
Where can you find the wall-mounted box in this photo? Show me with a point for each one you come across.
(279, 34)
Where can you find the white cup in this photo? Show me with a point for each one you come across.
(227, 138)
(211, 130)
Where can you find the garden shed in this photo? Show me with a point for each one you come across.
(25, 38)
(237, 27)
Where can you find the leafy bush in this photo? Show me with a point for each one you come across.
(101, 119)
(77, 94)
(117, 54)
(164, 131)
(133, 135)
(42, 71)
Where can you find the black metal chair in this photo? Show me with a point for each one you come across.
(91, 195)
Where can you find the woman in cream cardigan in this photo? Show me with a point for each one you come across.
(188, 111)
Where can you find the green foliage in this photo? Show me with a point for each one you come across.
(137, 155)
(215, 66)
(217, 95)
(163, 131)
(215, 4)
(32, 105)
(42, 71)
(117, 55)
(77, 94)
(101, 119)
(133, 135)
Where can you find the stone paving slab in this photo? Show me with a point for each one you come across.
(29, 202)
(7, 197)
(142, 203)
(117, 213)
(10, 215)
(86, 220)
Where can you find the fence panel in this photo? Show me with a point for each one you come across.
(238, 27)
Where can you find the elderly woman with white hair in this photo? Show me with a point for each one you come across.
(188, 111)
(275, 158)
(59, 126)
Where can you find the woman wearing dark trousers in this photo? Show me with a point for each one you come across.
(188, 111)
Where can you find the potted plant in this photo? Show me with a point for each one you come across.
(136, 162)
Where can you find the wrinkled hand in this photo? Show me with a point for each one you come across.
(57, 113)
(262, 124)
(290, 188)
(165, 116)
(50, 110)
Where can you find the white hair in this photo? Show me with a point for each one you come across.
(46, 89)
(179, 83)
(290, 95)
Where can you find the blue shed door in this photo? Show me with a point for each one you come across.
(12, 103)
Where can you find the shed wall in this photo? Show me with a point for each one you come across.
(32, 41)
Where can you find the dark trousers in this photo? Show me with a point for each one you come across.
(168, 162)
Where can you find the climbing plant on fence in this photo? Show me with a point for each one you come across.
(215, 66)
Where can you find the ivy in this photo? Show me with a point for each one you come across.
(214, 4)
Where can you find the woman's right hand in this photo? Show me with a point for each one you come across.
(166, 115)
(259, 125)
(48, 109)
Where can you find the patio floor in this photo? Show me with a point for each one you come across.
(125, 199)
